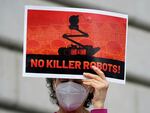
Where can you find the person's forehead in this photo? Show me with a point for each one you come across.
(63, 79)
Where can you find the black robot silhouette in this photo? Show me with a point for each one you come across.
(78, 48)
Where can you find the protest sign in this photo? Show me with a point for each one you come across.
(64, 42)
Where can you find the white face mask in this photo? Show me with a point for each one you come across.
(70, 95)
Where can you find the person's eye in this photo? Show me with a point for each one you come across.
(64, 80)
(78, 81)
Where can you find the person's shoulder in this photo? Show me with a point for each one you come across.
(99, 111)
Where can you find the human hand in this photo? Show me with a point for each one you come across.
(100, 86)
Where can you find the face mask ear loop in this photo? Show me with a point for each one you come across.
(54, 86)
(88, 89)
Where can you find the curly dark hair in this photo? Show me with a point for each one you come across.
(53, 98)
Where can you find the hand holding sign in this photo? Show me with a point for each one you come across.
(100, 85)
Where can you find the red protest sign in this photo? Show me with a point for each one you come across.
(65, 42)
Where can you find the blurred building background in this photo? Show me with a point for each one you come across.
(26, 95)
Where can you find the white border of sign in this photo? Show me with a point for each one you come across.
(69, 10)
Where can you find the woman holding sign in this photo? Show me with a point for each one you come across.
(74, 95)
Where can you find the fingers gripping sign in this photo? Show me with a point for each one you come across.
(99, 84)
